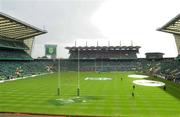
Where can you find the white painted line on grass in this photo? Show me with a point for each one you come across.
(99, 78)
(1, 81)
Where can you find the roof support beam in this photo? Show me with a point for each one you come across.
(9, 23)
(20, 33)
(10, 26)
(171, 31)
(15, 29)
(28, 36)
(4, 21)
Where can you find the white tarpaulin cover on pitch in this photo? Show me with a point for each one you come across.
(137, 76)
(149, 83)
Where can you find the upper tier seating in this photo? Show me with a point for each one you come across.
(13, 44)
(6, 54)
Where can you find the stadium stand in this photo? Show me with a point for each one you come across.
(9, 54)
(124, 58)
(173, 27)
(104, 52)
(15, 59)
(5, 43)
(171, 69)
(154, 55)
(27, 68)
(100, 65)
(16, 40)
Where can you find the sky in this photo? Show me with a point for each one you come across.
(90, 21)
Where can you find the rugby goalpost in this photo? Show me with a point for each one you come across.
(59, 77)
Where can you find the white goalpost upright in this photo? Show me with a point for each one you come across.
(78, 80)
(95, 64)
(102, 65)
(59, 77)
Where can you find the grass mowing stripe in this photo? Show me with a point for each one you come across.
(113, 97)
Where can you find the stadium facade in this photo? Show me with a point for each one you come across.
(154, 55)
(104, 52)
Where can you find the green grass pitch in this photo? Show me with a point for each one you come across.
(103, 98)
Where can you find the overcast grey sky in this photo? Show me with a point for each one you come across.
(102, 20)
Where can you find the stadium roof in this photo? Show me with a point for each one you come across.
(173, 26)
(154, 53)
(104, 48)
(12, 28)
